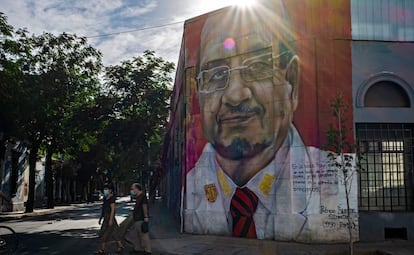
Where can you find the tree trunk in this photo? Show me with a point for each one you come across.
(32, 176)
(350, 222)
(49, 178)
(2, 154)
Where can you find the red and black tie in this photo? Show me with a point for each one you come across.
(242, 207)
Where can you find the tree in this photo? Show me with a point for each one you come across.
(141, 89)
(47, 80)
(341, 154)
(5, 31)
(11, 78)
(14, 50)
(52, 99)
(68, 69)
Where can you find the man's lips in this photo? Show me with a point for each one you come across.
(236, 118)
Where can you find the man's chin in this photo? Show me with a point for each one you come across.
(238, 149)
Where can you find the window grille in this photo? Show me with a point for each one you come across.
(386, 178)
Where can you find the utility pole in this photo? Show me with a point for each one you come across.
(148, 167)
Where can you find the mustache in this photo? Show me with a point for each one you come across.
(241, 109)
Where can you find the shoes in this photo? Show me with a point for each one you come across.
(140, 253)
(99, 252)
(120, 249)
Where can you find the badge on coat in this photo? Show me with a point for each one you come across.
(211, 192)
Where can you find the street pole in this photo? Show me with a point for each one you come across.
(148, 167)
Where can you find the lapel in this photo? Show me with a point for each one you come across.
(291, 192)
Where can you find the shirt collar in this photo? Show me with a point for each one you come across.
(262, 184)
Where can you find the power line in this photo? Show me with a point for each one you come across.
(135, 30)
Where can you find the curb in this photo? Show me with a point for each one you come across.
(6, 216)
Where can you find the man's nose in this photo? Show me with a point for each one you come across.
(237, 90)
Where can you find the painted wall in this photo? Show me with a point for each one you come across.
(251, 110)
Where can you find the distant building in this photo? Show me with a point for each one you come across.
(14, 176)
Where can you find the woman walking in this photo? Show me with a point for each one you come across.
(110, 226)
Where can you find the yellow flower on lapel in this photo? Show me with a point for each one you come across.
(223, 183)
(266, 183)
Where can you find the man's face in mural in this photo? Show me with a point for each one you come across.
(246, 103)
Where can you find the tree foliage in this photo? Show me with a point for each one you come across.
(140, 91)
(46, 79)
(53, 100)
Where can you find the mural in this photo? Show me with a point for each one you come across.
(257, 112)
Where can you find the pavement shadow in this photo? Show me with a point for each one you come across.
(87, 211)
(162, 223)
(74, 241)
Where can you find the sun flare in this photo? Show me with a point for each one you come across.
(242, 3)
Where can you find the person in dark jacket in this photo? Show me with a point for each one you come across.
(139, 235)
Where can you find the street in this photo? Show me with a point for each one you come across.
(72, 231)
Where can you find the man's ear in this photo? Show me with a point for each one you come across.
(292, 76)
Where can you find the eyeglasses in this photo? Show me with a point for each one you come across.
(252, 69)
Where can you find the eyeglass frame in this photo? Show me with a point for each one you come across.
(242, 67)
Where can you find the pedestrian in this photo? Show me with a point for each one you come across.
(5, 197)
(109, 228)
(139, 234)
(9, 202)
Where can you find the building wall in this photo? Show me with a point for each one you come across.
(382, 20)
(15, 179)
(373, 61)
(373, 225)
(382, 50)
(378, 61)
(325, 58)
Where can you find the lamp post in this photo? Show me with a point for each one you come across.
(148, 166)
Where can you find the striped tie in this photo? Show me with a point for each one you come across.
(242, 207)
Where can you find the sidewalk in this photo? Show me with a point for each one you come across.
(167, 240)
(4, 216)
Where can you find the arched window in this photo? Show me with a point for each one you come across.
(386, 94)
(385, 90)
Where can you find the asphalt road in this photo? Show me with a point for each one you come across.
(72, 231)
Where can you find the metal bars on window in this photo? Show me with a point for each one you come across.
(386, 178)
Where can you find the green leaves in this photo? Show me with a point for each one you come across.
(53, 95)
(341, 153)
(140, 89)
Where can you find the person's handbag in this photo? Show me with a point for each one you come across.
(144, 227)
(102, 230)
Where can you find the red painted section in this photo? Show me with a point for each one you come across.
(322, 30)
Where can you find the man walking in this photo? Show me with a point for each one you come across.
(139, 234)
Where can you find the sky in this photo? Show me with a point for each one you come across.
(120, 29)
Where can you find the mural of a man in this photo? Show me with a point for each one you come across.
(254, 178)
